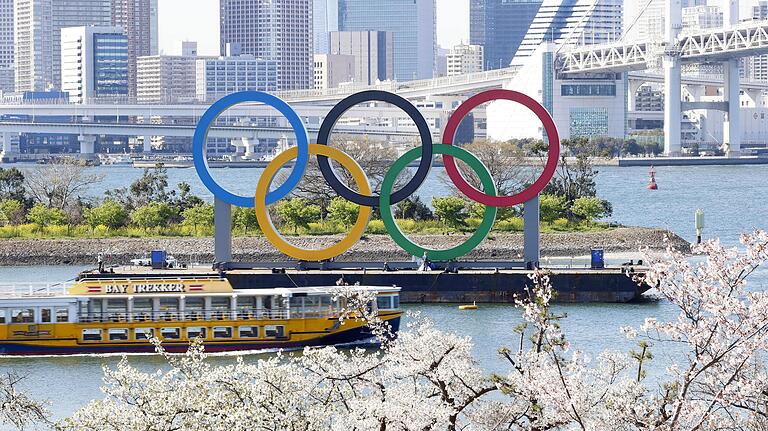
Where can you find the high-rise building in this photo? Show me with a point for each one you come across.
(644, 19)
(465, 59)
(189, 48)
(217, 77)
(412, 24)
(278, 30)
(166, 79)
(373, 52)
(94, 63)
(333, 69)
(499, 26)
(701, 17)
(757, 66)
(7, 78)
(138, 18)
(572, 23)
(325, 19)
(37, 37)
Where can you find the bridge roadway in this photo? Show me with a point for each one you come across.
(188, 130)
(710, 45)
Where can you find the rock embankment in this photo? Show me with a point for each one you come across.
(497, 246)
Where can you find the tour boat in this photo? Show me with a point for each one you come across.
(119, 315)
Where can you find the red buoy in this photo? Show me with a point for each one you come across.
(652, 182)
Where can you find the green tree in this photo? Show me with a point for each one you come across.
(11, 212)
(413, 208)
(152, 215)
(297, 212)
(552, 207)
(477, 210)
(589, 208)
(343, 211)
(12, 185)
(43, 216)
(198, 215)
(110, 214)
(245, 218)
(450, 210)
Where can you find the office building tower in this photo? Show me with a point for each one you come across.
(218, 77)
(138, 18)
(7, 76)
(644, 19)
(37, 37)
(701, 17)
(373, 52)
(325, 19)
(333, 69)
(572, 23)
(499, 26)
(412, 24)
(279, 30)
(94, 63)
(166, 79)
(757, 66)
(463, 59)
(189, 49)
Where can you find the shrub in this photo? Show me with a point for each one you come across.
(552, 207)
(198, 215)
(297, 212)
(42, 216)
(343, 211)
(589, 209)
(450, 210)
(110, 214)
(152, 215)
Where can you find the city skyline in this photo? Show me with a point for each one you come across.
(178, 22)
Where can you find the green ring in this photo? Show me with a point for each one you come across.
(394, 230)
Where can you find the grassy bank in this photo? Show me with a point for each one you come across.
(425, 227)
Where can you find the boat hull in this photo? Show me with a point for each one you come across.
(357, 333)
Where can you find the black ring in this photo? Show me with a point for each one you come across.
(426, 147)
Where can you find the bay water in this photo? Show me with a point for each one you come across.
(734, 199)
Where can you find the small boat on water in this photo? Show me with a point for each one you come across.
(119, 315)
(472, 306)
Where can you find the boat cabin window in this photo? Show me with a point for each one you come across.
(26, 315)
(248, 331)
(62, 315)
(169, 307)
(118, 334)
(247, 307)
(195, 331)
(142, 309)
(170, 333)
(194, 306)
(45, 315)
(274, 331)
(116, 309)
(222, 332)
(143, 333)
(387, 302)
(91, 334)
(2, 316)
(220, 307)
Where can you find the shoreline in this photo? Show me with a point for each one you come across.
(498, 246)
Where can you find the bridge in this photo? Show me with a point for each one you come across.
(724, 45)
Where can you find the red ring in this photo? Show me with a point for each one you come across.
(553, 151)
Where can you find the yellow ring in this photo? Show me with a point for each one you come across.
(265, 221)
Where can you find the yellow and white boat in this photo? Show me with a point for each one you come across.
(119, 315)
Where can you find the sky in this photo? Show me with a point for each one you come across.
(179, 22)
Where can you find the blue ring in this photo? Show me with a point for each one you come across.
(201, 136)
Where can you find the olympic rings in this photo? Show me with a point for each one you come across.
(201, 136)
(394, 230)
(364, 197)
(552, 158)
(426, 147)
(265, 222)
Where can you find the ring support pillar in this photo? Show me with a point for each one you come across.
(222, 231)
(531, 233)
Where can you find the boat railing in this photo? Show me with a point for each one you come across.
(19, 290)
(184, 316)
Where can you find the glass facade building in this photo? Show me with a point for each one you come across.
(413, 28)
(94, 63)
(500, 26)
